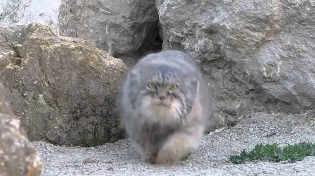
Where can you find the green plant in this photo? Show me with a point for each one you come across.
(272, 152)
(185, 157)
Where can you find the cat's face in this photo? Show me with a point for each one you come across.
(164, 96)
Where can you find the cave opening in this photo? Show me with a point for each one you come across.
(152, 43)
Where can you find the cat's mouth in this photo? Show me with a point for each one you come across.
(162, 104)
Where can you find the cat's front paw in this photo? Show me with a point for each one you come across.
(175, 148)
(151, 159)
(165, 156)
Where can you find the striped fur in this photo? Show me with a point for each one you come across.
(164, 133)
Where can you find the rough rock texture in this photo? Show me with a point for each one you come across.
(27, 11)
(18, 156)
(119, 27)
(210, 158)
(259, 54)
(62, 88)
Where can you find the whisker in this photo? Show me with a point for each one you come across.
(180, 111)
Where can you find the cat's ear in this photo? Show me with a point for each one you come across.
(134, 81)
(135, 76)
(191, 81)
(192, 85)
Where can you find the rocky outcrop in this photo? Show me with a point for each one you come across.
(18, 156)
(257, 54)
(24, 12)
(62, 88)
(123, 28)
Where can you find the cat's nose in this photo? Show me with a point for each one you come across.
(162, 97)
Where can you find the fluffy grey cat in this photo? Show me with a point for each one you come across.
(165, 106)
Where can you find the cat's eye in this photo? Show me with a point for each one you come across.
(173, 87)
(152, 86)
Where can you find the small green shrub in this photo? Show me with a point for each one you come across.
(272, 152)
(185, 157)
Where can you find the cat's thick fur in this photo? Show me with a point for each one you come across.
(165, 106)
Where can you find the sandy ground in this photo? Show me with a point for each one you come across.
(211, 157)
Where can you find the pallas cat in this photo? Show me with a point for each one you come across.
(165, 106)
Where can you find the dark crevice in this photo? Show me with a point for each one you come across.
(17, 60)
(152, 44)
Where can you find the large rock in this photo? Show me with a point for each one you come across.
(62, 88)
(18, 156)
(259, 54)
(24, 12)
(125, 29)
(122, 28)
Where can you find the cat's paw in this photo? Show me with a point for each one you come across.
(177, 147)
(151, 158)
(165, 156)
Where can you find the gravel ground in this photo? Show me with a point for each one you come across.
(211, 158)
